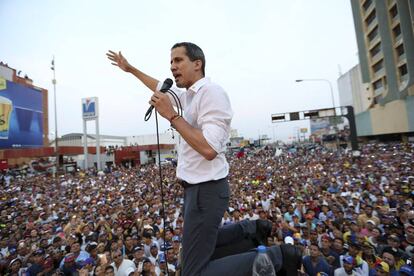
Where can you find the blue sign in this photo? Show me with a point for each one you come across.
(90, 108)
(21, 116)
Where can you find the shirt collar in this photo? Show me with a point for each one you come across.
(198, 84)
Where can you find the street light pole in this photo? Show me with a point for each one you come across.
(333, 102)
(56, 130)
(325, 80)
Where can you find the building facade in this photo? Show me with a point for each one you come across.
(29, 118)
(120, 150)
(352, 91)
(385, 38)
(24, 123)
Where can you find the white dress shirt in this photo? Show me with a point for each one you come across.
(206, 106)
(253, 217)
(126, 267)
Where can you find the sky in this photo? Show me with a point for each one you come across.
(254, 49)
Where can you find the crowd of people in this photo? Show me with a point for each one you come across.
(349, 215)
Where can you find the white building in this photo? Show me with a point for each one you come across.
(151, 139)
(353, 92)
(77, 140)
(121, 149)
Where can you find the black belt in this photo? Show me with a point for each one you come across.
(186, 185)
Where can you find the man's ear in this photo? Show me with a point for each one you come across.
(198, 64)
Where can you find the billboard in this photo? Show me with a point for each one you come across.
(320, 126)
(90, 108)
(21, 116)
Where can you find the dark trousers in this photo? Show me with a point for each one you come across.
(204, 206)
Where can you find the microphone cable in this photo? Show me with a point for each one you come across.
(146, 118)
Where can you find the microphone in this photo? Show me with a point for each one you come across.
(164, 88)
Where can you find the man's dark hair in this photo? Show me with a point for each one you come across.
(193, 52)
(109, 267)
(315, 244)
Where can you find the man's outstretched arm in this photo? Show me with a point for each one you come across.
(119, 60)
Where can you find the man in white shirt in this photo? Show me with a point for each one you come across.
(122, 267)
(153, 254)
(138, 257)
(202, 167)
(251, 215)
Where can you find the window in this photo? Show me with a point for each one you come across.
(400, 50)
(378, 84)
(396, 31)
(373, 34)
(403, 70)
(367, 4)
(374, 51)
(393, 12)
(371, 18)
(378, 66)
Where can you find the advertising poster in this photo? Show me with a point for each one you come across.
(21, 116)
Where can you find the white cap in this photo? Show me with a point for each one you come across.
(289, 240)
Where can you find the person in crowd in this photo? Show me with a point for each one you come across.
(110, 270)
(389, 257)
(122, 266)
(406, 270)
(347, 269)
(315, 263)
(15, 267)
(382, 269)
(38, 262)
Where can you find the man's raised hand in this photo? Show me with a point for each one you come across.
(118, 60)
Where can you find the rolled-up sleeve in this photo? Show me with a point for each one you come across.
(214, 118)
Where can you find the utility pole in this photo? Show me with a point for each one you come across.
(56, 128)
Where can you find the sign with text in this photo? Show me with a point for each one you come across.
(90, 108)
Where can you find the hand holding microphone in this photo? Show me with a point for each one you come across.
(161, 101)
